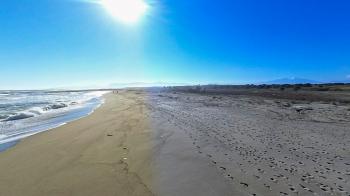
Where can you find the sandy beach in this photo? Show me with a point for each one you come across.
(168, 143)
(106, 153)
(264, 146)
(117, 150)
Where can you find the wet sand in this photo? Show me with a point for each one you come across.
(158, 143)
(106, 153)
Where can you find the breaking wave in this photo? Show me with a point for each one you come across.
(26, 113)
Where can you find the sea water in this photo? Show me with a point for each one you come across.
(25, 113)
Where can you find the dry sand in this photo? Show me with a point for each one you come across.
(264, 146)
(180, 144)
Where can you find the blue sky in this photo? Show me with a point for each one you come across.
(63, 43)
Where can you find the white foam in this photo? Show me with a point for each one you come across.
(97, 93)
(37, 119)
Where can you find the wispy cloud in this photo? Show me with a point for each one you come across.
(348, 76)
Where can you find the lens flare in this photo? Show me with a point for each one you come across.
(126, 11)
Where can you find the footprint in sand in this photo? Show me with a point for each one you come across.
(293, 189)
(274, 180)
(223, 168)
(244, 184)
(268, 186)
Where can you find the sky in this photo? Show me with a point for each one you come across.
(78, 43)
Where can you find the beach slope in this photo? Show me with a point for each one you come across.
(105, 153)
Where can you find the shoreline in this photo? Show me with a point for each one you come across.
(95, 155)
(14, 140)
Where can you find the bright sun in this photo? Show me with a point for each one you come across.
(126, 11)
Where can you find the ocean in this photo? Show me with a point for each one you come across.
(25, 113)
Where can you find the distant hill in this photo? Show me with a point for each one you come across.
(291, 81)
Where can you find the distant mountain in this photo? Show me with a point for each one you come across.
(291, 81)
(341, 81)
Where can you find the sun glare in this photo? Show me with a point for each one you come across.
(126, 11)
